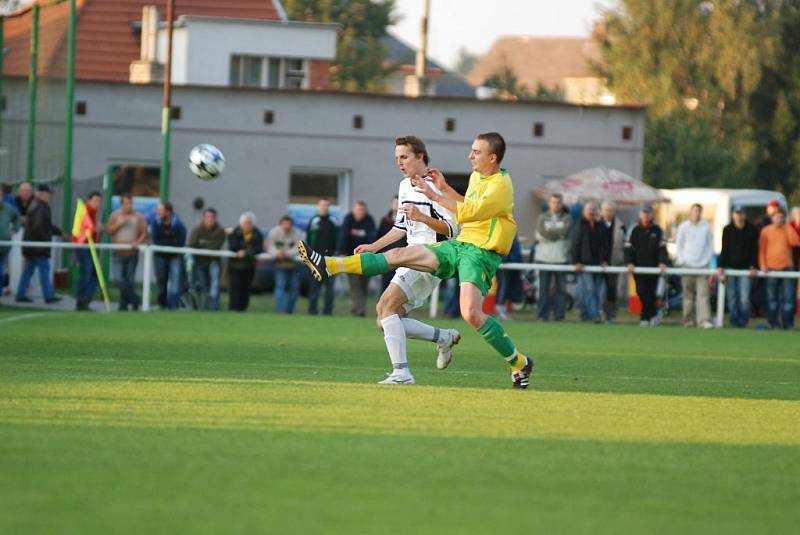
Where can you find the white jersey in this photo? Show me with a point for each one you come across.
(418, 233)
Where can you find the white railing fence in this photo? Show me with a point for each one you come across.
(148, 250)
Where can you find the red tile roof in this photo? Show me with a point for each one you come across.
(106, 44)
(539, 60)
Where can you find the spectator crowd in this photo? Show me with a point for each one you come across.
(598, 238)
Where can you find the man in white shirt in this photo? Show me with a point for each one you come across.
(419, 221)
(695, 249)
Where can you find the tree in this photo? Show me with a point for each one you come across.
(709, 72)
(465, 61)
(360, 58)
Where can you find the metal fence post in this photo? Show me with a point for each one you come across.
(720, 303)
(434, 302)
(147, 271)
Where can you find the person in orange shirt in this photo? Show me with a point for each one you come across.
(775, 254)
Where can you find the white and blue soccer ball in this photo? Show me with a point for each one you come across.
(206, 161)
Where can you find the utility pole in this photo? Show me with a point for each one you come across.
(421, 66)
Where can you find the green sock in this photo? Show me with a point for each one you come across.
(374, 264)
(496, 336)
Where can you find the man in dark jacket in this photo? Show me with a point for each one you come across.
(167, 229)
(38, 227)
(247, 242)
(206, 270)
(322, 235)
(646, 247)
(358, 228)
(589, 248)
(739, 251)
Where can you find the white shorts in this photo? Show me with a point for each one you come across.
(417, 286)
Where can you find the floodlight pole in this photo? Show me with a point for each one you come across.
(32, 83)
(70, 98)
(163, 183)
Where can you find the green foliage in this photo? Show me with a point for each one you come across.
(360, 58)
(507, 84)
(736, 62)
(465, 61)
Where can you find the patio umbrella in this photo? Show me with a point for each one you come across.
(602, 184)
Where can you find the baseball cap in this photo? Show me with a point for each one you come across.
(647, 209)
(773, 203)
(738, 208)
(44, 188)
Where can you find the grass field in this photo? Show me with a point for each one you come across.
(225, 423)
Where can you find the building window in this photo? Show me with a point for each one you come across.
(538, 129)
(450, 125)
(269, 117)
(266, 72)
(358, 122)
(627, 133)
(308, 186)
(175, 113)
(80, 107)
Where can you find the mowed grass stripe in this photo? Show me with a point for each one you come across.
(417, 411)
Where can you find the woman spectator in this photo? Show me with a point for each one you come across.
(247, 242)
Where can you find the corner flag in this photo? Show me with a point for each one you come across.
(83, 227)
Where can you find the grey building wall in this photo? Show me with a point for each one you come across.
(315, 130)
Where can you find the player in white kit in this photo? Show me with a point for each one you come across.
(419, 221)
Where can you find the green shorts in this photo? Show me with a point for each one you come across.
(470, 263)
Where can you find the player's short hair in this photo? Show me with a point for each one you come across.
(210, 210)
(556, 196)
(126, 196)
(286, 217)
(93, 194)
(363, 204)
(416, 144)
(497, 145)
(697, 205)
(168, 207)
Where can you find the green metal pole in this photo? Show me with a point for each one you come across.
(166, 119)
(70, 97)
(105, 238)
(32, 83)
(2, 56)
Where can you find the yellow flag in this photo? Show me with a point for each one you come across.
(77, 223)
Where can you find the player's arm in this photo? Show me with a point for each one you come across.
(440, 182)
(384, 241)
(495, 200)
(422, 186)
(413, 213)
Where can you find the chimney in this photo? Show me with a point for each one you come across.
(146, 69)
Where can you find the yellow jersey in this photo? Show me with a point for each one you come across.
(487, 214)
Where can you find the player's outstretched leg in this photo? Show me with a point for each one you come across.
(444, 339)
(321, 268)
(493, 334)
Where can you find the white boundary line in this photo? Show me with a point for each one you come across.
(24, 316)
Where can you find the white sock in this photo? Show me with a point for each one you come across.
(422, 331)
(395, 336)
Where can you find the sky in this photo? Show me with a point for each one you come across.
(476, 24)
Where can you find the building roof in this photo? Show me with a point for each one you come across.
(106, 42)
(539, 60)
(448, 84)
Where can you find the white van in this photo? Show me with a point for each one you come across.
(717, 206)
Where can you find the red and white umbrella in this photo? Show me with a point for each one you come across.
(602, 184)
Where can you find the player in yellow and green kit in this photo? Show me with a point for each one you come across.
(486, 217)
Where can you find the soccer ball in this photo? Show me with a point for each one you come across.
(206, 161)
